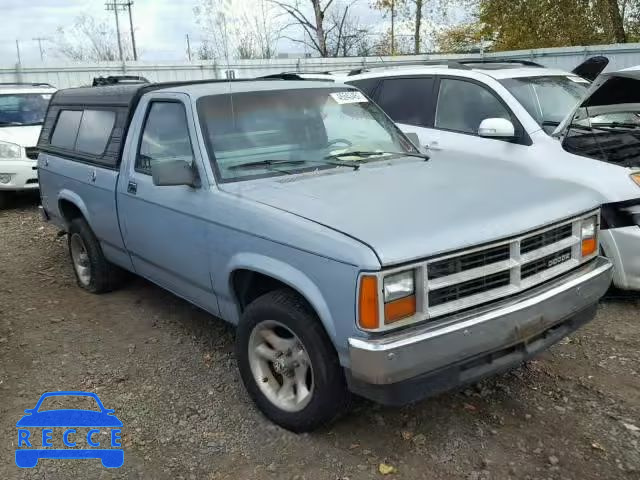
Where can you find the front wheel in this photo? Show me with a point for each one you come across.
(288, 364)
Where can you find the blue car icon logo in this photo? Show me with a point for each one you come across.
(34, 445)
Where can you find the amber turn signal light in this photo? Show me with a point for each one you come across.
(589, 246)
(399, 309)
(368, 303)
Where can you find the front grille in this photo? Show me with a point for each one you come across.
(482, 275)
(546, 238)
(545, 263)
(469, 288)
(31, 152)
(470, 261)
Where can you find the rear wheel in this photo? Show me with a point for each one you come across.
(93, 271)
(288, 364)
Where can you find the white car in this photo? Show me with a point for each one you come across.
(522, 113)
(22, 110)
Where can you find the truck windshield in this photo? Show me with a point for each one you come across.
(548, 99)
(275, 132)
(23, 108)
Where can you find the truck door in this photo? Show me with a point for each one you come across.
(163, 227)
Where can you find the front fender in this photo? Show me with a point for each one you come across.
(288, 275)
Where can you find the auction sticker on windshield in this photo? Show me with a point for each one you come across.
(351, 96)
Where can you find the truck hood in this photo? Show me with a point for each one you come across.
(411, 209)
(26, 136)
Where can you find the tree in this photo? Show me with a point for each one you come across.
(89, 40)
(525, 24)
(614, 16)
(241, 31)
(463, 38)
(390, 7)
(420, 13)
(327, 28)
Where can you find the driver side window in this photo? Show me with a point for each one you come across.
(463, 105)
(165, 136)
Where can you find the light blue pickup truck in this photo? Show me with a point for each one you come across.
(296, 210)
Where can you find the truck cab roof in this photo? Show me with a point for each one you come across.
(127, 95)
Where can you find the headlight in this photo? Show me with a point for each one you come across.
(636, 178)
(397, 303)
(399, 285)
(589, 236)
(9, 150)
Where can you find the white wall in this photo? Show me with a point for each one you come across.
(72, 75)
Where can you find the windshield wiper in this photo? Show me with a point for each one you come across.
(550, 123)
(372, 153)
(270, 163)
(615, 125)
(264, 163)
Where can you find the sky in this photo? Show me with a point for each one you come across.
(160, 26)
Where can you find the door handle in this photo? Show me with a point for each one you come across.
(132, 188)
(92, 176)
(434, 146)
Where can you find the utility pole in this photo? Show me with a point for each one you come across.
(113, 5)
(40, 40)
(133, 37)
(393, 21)
(116, 5)
(188, 48)
(18, 50)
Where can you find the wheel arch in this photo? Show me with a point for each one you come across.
(252, 275)
(71, 206)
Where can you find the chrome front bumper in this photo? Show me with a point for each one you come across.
(524, 321)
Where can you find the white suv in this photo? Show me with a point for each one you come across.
(509, 111)
(22, 111)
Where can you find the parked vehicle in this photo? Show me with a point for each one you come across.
(22, 110)
(299, 212)
(509, 111)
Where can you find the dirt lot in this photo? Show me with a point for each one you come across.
(169, 372)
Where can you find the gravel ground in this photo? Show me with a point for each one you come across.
(169, 371)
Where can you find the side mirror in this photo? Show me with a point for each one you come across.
(415, 140)
(496, 128)
(413, 136)
(172, 173)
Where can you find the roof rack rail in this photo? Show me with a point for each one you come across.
(445, 63)
(295, 76)
(118, 79)
(490, 61)
(28, 84)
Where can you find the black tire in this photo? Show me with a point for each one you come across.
(104, 276)
(4, 196)
(330, 396)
